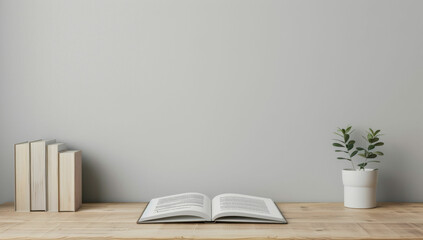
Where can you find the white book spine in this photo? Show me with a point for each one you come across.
(39, 174)
(70, 181)
(22, 177)
(53, 151)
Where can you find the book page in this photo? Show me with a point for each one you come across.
(238, 206)
(190, 205)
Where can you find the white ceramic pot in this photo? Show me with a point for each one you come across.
(359, 188)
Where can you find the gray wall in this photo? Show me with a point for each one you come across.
(165, 97)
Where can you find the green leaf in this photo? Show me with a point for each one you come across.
(346, 137)
(348, 129)
(369, 136)
(374, 140)
(379, 144)
(377, 131)
(343, 131)
(360, 149)
(341, 151)
(338, 134)
(371, 147)
(351, 142)
(337, 145)
(371, 130)
(362, 165)
(353, 154)
(373, 161)
(372, 155)
(350, 146)
(341, 158)
(379, 153)
(362, 155)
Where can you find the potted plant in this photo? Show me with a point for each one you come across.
(359, 182)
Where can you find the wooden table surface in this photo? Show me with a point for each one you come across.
(306, 221)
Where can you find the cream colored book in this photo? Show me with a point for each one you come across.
(39, 174)
(22, 177)
(197, 207)
(70, 181)
(53, 151)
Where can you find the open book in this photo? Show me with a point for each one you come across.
(197, 207)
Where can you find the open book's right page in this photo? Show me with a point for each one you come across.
(230, 207)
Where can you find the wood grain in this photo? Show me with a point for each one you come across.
(306, 221)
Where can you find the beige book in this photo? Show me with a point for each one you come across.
(70, 181)
(39, 174)
(22, 177)
(53, 175)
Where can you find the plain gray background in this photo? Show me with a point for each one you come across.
(240, 96)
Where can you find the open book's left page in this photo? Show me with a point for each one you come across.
(185, 207)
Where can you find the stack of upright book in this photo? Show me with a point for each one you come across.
(47, 177)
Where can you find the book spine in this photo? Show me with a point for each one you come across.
(22, 178)
(53, 176)
(38, 176)
(70, 181)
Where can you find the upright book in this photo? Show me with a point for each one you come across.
(22, 177)
(197, 207)
(53, 151)
(39, 174)
(70, 181)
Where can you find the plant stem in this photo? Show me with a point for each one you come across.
(349, 156)
(366, 164)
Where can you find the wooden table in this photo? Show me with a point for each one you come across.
(306, 220)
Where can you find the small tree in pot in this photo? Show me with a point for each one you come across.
(359, 183)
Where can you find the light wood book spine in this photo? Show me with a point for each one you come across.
(53, 151)
(22, 177)
(38, 151)
(70, 181)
